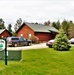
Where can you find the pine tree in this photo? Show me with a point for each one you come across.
(9, 28)
(2, 26)
(65, 26)
(18, 24)
(61, 42)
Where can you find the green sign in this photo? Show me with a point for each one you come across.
(2, 44)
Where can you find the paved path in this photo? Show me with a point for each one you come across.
(34, 46)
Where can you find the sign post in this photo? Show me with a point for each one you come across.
(3, 46)
(5, 51)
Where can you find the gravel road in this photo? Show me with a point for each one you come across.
(34, 46)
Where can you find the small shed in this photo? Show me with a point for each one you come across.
(4, 33)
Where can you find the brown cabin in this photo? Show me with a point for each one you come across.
(43, 32)
(4, 33)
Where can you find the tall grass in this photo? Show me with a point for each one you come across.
(41, 62)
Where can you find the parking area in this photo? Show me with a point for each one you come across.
(33, 46)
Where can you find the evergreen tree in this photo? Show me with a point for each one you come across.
(9, 28)
(18, 24)
(56, 24)
(61, 42)
(15, 27)
(47, 23)
(2, 24)
(65, 26)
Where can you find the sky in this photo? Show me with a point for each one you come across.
(36, 10)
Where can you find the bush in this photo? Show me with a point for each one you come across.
(61, 42)
(34, 39)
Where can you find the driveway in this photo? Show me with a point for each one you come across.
(34, 46)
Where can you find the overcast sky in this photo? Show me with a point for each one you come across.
(36, 10)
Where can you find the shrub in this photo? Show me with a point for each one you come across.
(61, 42)
(34, 39)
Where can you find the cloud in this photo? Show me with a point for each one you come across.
(36, 10)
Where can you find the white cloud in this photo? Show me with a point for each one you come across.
(36, 10)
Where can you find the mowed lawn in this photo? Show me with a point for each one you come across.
(41, 62)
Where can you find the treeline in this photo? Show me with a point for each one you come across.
(66, 25)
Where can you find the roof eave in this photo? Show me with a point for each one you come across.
(20, 27)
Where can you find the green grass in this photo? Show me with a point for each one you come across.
(41, 62)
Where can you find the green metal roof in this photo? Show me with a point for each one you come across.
(41, 28)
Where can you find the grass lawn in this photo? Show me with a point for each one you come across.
(41, 62)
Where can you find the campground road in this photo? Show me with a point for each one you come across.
(34, 46)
